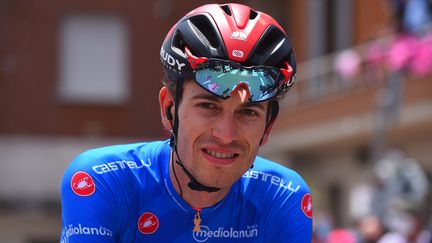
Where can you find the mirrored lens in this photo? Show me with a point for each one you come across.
(222, 78)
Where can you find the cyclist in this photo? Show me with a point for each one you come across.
(225, 68)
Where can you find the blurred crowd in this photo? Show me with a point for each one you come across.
(398, 210)
(406, 45)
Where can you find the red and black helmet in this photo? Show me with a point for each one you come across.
(232, 32)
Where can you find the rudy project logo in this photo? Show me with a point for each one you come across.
(148, 223)
(206, 233)
(171, 61)
(82, 184)
(306, 205)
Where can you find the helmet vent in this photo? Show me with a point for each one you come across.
(226, 9)
(204, 29)
(177, 43)
(271, 48)
(253, 14)
(273, 38)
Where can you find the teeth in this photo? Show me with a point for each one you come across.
(220, 155)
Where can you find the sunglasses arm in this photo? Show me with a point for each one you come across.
(287, 72)
(193, 60)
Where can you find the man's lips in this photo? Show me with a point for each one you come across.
(219, 156)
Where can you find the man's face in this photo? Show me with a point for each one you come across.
(218, 139)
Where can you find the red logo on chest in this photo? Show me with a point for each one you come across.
(82, 184)
(148, 223)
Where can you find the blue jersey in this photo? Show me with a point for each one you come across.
(123, 193)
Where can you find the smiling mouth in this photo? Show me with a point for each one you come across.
(220, 155)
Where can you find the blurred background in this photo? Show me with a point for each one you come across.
(78, 74)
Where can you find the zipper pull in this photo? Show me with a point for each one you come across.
(197, 220)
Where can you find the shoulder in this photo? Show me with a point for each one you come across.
(284, 197)
(112, 167)
(122, 151)
(266, 173)
(284, 188)
(100, 185)
(117, 157)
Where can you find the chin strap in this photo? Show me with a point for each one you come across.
(193, 184)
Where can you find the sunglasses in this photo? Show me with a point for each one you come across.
(222, 77)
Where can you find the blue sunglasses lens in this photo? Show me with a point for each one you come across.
(222, 77)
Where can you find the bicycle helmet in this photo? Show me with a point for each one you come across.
(233, 32)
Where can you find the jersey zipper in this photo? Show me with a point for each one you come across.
(197, 220)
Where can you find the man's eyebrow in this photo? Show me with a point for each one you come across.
(259, 105)
(209, 97)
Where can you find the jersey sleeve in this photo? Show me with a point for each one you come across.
(89, 209)
(291, 216)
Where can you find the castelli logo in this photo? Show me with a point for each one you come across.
(82, 184)
(148, 223)
(306, 205)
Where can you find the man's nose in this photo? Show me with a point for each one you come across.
(225, 129)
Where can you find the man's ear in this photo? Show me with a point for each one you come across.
(166, 104)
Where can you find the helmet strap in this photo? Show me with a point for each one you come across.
(177, 98)
(193, 184)
(272, 113)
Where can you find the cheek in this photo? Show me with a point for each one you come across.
(189, 130)
(193, 125)
(188, 126)
(253, 134)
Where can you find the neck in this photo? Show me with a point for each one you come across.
(195, 199)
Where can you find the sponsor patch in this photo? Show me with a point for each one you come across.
(72, 230)
(222, 234)
(275, 180)
(237, 53)
(148, 223)
(82, 184)
(237, 35)
(306, 205)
